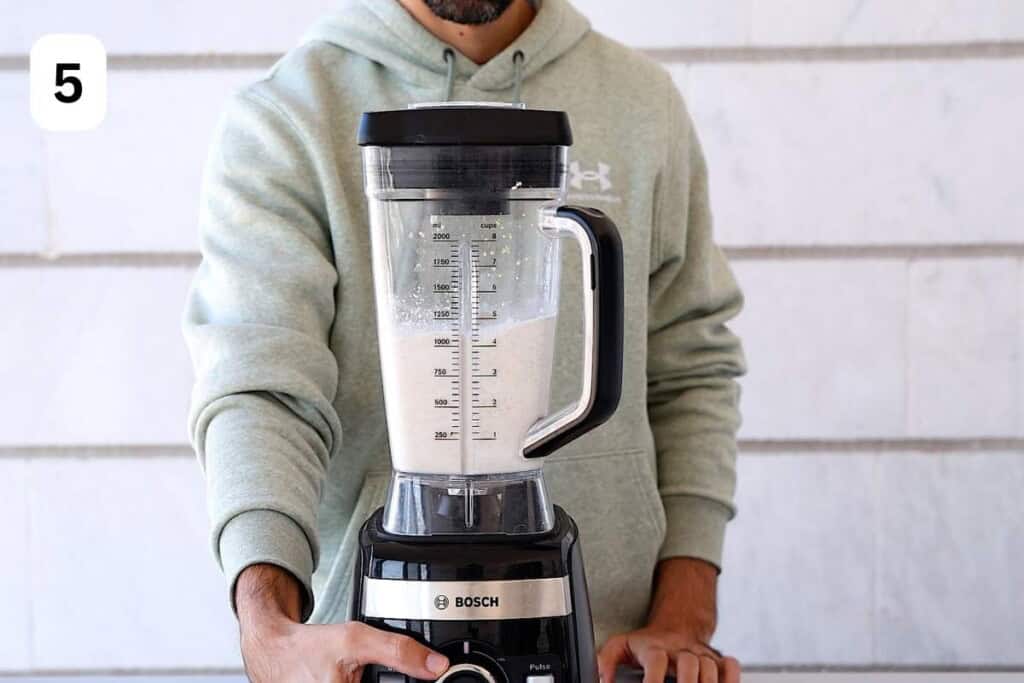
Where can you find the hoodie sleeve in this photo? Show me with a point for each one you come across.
(693, 358)
(257, 322)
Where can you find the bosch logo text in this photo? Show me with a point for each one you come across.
(476, 601)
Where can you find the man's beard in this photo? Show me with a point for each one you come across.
(468, 11)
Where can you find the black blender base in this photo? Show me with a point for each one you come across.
(529, 648)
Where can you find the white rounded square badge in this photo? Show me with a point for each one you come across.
(68, 75)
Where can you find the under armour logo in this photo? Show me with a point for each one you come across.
(577, 176)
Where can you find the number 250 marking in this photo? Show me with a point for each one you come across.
(73, 81)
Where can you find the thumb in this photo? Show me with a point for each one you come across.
(367, 645)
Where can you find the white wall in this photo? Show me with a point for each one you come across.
(866, 173)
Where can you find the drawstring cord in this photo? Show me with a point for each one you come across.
(449, 85)
(517, 82)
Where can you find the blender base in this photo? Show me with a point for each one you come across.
(502, 608)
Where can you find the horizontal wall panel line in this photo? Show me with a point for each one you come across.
(167, 62)
(117, 673)
(874, 669)
(87, 451)
(758, 253)
(102, 260)
(693, 55)
(874, 252)
(840, 53)
(746, 446)
(867, 669)
(982, 445)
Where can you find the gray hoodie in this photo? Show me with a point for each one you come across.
(288, 416)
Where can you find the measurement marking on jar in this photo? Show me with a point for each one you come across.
(481, 283)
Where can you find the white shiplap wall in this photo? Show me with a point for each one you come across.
(865, 161)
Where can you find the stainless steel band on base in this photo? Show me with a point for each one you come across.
(466, 600)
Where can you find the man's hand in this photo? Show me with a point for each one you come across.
(278, 649)
(677, 637)
(662, 651)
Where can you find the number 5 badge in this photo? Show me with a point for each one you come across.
(68, 75)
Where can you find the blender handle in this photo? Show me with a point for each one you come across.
(601, 252)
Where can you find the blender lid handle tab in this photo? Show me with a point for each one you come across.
(603, 314)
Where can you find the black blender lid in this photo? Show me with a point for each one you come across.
(464, 123)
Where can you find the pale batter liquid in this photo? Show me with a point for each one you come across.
(458, 406)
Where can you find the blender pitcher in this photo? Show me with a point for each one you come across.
(467, 224)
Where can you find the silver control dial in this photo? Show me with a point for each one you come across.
(461, 669)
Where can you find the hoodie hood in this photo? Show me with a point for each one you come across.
(384, 32)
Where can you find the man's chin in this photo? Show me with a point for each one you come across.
(471, 12)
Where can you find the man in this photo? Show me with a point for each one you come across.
(287, 414)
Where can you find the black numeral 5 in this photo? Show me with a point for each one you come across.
(73, 81)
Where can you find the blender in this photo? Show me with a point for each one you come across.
(469, 555)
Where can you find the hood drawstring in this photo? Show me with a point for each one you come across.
(449, 84)
(517, 82)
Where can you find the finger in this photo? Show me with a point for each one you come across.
(613, 653)
(730, 670)
(357, 675)
(708, 670)
(687, 668)
(345, 674)
(339, 674)
(654, 660)
(366, 645)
